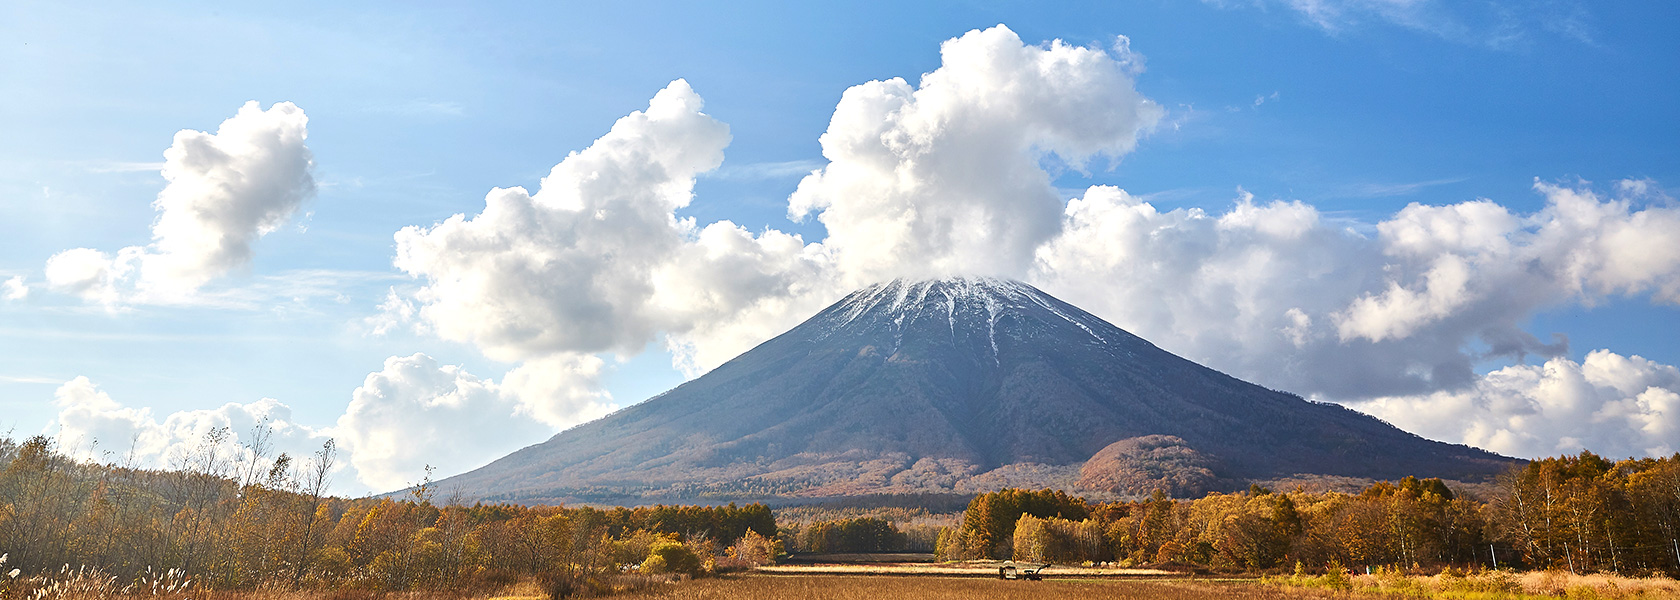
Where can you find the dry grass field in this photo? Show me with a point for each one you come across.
(980, 569)
(764, 585)
(1508, 585)
(891, 586)
(840, 587)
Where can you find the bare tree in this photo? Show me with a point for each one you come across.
(314, 485)
(204, 471)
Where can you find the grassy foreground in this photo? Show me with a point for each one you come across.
(841, 587)
(1488, 585)
(885, 586)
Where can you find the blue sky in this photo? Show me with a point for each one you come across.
(415, 112)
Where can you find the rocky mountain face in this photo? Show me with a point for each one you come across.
(958, 386)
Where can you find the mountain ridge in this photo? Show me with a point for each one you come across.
(958, 385)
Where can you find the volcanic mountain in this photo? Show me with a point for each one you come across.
(958, 385)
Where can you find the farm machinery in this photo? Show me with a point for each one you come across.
(1032, 573)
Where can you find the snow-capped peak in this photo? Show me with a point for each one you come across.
(982, 300)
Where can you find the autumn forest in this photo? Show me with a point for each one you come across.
(244, 521)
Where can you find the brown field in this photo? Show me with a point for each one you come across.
(841, 587)
(980, 569)
(801, 585)
(1500, 585)
(808, 584)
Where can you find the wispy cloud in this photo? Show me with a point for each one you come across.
(1172, 195)
(124, 167)
(292, 289)
(1491, 25)
(1184, 114)
(116, 336)
(419, 107)
(765, 170)
(329, 181)
(30, 379)
(1386, 190)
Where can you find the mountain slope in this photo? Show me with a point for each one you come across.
(950, 385)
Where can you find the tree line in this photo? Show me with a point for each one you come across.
(844, 536)
(1581, 513)
(241, 520)
(869, 526)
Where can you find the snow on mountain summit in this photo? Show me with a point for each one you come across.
(975, 303)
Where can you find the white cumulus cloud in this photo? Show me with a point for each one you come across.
(411, 413)
(729, 290)
(1248, 292)
(569, 267)
(15, 288)
(559, 390)
(941, 177)
(596, 260)
(92, 274)
(1609, 403)
(91, 425)
(946, 177)
(1477, 255)
(225, 191)
(416, 412)
(1272, 293)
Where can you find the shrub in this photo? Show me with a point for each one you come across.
(1336, 576)
(671, 557)
(1490, 582)
(557, 584)
(1170, 551)
(755, 549)
(633, 549)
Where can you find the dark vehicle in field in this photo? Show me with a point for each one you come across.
(1028, 573)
